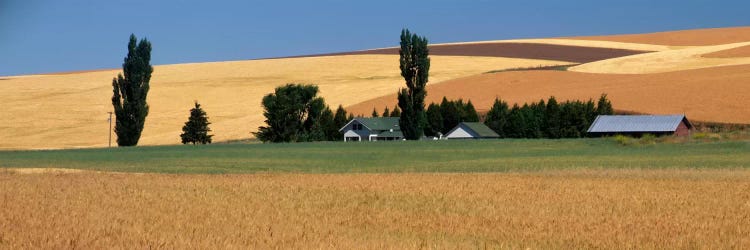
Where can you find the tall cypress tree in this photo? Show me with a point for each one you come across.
(196, 128)
(130, 91)
(415, 67)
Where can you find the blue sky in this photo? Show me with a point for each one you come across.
(39, 36)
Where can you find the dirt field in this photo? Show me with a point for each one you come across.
(715, 94)
(743, 51)
(698, 37)
(575, 209)
(540, 51)
(70, 110)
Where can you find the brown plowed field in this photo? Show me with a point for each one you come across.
(577, 54)
(602, 209)
(715, 94)
(699, 37)
(731, 53)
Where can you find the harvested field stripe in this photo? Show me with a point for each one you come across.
(577, 54)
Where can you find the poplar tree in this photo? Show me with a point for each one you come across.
(130, 91)
(196, 128)
(415, 66)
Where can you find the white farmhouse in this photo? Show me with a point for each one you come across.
(372, 129)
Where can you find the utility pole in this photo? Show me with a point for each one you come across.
(110, 129)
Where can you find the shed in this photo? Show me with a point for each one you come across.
(471, 130)
(638, 125)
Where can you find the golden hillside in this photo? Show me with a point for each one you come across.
(697, 72)
(70, 110)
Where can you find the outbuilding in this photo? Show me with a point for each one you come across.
(638, 125)
(471, 130)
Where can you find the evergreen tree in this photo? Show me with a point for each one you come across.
(291, 112)
(497, 117)
(415, 66)
(130, 91)
(451, 115)
(196, 128)
(328, 127)
(374, 113)
(589, 112)
(386, 112)
(516, 122)
(340, 118)
(604, 106)
(396, 112)
(553, 120)
(470, 113)
(434, 120)
(536, 120)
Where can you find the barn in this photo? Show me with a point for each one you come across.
(471, 130)
(638, 125)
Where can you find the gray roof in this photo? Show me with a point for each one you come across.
(480, 129)
(395, 133)
(377, 123)
(637, 123)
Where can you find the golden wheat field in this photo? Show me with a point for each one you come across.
(611, 209)
(696, 37)
(70, 110)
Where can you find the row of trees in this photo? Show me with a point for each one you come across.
(387, 113)
(569, 119)
(444, 117)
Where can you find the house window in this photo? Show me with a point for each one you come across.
(357, 126)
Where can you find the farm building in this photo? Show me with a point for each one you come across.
(637, 125)
(471, 130)
(372, 129)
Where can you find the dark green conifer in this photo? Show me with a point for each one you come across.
(196, 128)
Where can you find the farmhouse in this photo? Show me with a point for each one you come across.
(637, 125)
(372, 129)
(471, 130)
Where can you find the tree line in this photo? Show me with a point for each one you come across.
(294, 112)
(570, 119)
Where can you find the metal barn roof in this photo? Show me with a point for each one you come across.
(481, 129)
(637, 123)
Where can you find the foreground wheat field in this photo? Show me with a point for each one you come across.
(613, 209)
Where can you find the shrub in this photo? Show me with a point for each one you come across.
(623, 140)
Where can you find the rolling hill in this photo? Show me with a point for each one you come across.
(703, 73)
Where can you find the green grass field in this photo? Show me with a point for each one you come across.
(391, 157)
